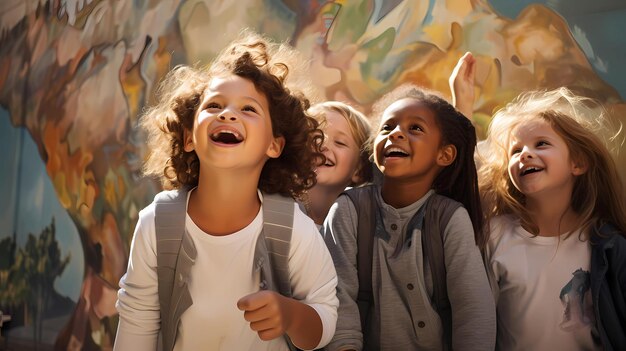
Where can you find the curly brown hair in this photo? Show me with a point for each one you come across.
(265, 64)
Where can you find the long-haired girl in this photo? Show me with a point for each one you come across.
(557, 250)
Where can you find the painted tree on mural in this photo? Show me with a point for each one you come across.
(38, 265)
(12, 290)
(31, 276)
(69, 57)
(76, 75)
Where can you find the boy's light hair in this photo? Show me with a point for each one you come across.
(360, 129)
(582, 123)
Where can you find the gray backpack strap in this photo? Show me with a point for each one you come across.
(438, 211)
(176, 254)
(278, 212)
(365, 204)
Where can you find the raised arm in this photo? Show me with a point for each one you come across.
(462, 84)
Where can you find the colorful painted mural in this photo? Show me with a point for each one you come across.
(76, 74)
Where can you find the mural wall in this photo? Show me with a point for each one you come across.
(75, 75)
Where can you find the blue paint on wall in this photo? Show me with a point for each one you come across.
(29, 202)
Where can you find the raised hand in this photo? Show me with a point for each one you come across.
(462, 84)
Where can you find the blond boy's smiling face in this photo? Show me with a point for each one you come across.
(341, 151)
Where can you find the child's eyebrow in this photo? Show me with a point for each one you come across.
(542, 136)
(344, 134)
(539, 137)
(253, 99)
(208, 96)
(419, 117)
(386, 119)
(421, 120)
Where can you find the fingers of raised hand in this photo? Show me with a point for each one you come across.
(464, 68)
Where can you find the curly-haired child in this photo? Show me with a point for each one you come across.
(230, 134)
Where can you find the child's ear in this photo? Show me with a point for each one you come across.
(188, 141)
(276, 147)
(356, 176)
(446, 156)
(579, 168)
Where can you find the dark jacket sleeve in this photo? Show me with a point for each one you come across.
(608, 270)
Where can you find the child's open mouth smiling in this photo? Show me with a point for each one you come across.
(394, 153)
(328, 163)
(530, 170)
(227, 136)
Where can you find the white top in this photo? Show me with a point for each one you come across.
(222, 274)
(542, 289)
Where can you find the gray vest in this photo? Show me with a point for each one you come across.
(432, 218)
(176, 254)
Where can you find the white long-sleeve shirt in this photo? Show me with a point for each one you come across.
(222, 274)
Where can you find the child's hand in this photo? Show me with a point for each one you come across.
(462, 84)
(271, 315)
(267, 313)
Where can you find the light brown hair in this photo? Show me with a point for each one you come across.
(598, 194)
